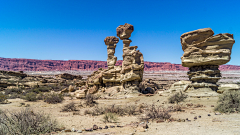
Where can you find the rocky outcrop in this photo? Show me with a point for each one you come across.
(203, 53)
(133, 63)
(14, 64)
(68, 76)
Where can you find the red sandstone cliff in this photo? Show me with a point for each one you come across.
(49, 65)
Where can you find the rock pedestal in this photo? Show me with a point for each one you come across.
(203, 53)
(133, 63)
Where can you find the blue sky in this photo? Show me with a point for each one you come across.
(76, 29)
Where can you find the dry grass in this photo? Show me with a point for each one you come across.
(69, 107)
(229, 102)
(177, 97)
(25, 122)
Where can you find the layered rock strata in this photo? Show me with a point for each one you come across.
(111, 76)
(133, 63)
(129, 75)
(203, 53)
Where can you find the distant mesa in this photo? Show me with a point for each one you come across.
(16, 64)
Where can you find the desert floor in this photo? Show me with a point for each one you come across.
(223, 124)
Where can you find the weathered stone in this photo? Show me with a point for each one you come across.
(129, 75)
(203, 53)
(69, 76)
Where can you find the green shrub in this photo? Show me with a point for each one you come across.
(53, 98)
(228, 102)
(26, 122)
(177, 97)
(31, 96)
(110, 117)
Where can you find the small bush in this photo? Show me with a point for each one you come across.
(131, 109)
(110, 117)
(31, 96)
(69, 107)
(53, 98)
(177, 97)
(228, 102)
(3, 98)
(90, 100)
(12, 91)
(26, 122)
(154, 112)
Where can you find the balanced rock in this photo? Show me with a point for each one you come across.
(203, 53)
(133, 63)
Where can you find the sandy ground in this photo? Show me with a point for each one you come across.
(226, 124)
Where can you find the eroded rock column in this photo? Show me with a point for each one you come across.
(203, 53)
(133, 63)
(111, 76)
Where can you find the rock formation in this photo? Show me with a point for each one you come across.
(111, 76)
(133, 63)
(129, 75)
(203, 53)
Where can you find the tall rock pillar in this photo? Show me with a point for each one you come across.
(133, 63)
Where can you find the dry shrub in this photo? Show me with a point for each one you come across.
(31, 96)
(110, 117)
(155, 112)
(130, 109)
(229, 102)
(119, 110)
(90, 100)
(26, 122)
(3, 98)
(69, 107)
(53, 98)
(177, 97)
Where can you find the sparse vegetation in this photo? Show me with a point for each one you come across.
(53, 98)
(26, 122)
(31, 96)
(110, 117)
(119, 110)
(177, 97)
(229, 102)
(3, 98)
(69, 107)
(90, 100)
(155, 112)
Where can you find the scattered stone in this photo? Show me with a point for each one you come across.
(106, 127)
(73, 130)
(195, 117)
(67, 130)
(217, 113)
(100, 128)
(199, 116)
(112, 126)
(160, 121)
(89, 129)
(95, 127)
(79, 131)
(209, 114)
(212, 105)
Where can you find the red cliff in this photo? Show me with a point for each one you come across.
(60, 65)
